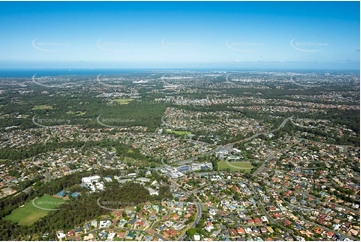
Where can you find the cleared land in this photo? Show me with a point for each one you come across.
(41, 107)
(177, 132)
(122, 101)
(28, 214)
(235, 166)
(77, 113)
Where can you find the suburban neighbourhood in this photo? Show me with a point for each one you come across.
(217, 166)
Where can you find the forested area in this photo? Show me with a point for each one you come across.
(76, 210)
(10, 203)
(90, 206)
(315, 133)
(10, 230)
(123, 150)
(75, 108)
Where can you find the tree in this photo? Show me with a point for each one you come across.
(191, 232)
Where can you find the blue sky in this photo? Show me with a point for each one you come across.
(179, 34)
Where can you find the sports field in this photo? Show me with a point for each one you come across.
(28, 213)
(235, 166)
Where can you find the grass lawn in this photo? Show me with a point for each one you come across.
(40, 107)
(77, 113)
(122, 101)
(177, 132)
(28, 214)
(235, 166)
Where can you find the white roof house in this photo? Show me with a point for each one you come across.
(60, 235)
(90, 179)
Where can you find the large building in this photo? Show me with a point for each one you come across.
(90, 179)
(184, 168)
(201, 166)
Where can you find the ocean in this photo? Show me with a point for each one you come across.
(28, 73)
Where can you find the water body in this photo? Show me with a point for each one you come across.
(28, 73)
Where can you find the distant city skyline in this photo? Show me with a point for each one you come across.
(281, 35)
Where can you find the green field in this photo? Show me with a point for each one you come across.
(235, 166)
(28, 214)
(122, 101)
(41, 107)
(177, 132)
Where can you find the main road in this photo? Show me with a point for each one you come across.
(230, 145)
(137, 230)
(270, 158)
(198, 215)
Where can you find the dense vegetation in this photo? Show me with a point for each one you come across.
(123, 150)
(76, 108)
(77, 210)
(88, 207)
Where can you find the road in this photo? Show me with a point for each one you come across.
(284, 123)
(230, 145)
(327, 229)
(335, 204)
(199, 213)
(162, 119)
(301, 126)
(302, 85)
(236, 221)
(266, 213)
(258, 134)
(137, 230)
(218, 148)
(47, 176)
(318, 225)
(155, 225)
(270, 158)
(256, 197)
(234, 84)
(198, 205)
(154, 233)
(196, 221)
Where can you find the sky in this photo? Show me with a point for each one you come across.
(179, 34)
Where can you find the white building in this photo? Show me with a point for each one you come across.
(90, 179)
(197, 237)
(60, 235)
(155, 183)
(104, 224)
(143, 179)
(222, 154)
(111, 236)
(108, 179)
(235, 150)
(152, 191)
(196, 167)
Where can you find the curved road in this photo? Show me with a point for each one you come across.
(230, 145)
(302, 85)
